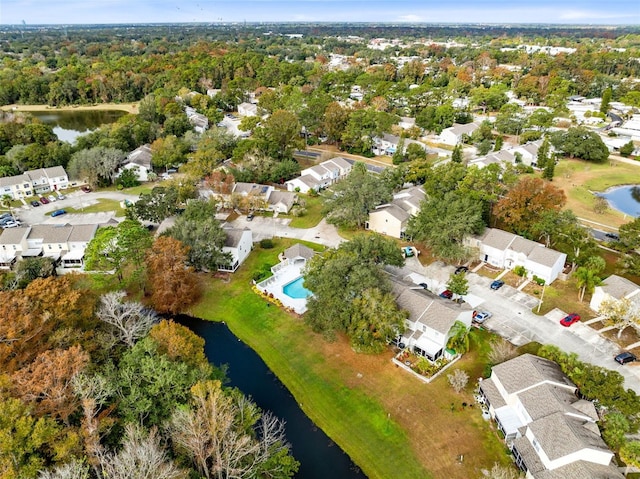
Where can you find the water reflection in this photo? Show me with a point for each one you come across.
(625, 199)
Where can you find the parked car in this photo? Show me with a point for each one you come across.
(569, 319)
(86, 188)
(44, 200)
(11, 224)
(250, 217)
(5, 215)
(58, 213)
(612, 236)
(6, 219)
(34, 203)
(497, 284)
(61, 197)
(424, 285)
(407, 251)
(446, 294)
(461, 269)
(481, 316)
(52, 198)
(626, 357)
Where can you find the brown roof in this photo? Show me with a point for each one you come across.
(528, 370)
(82, 232)
(14, 235)
(51, 233)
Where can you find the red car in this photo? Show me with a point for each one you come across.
(446, 294)
(570, 319)
(44, 201)
(86, 189)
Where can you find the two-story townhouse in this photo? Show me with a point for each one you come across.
(139, 160)
(320, 176)
(34, 182)
(391, 219)
(77, 243)
(238, 243)
(455, 134)
(551, 431)
(615, 288)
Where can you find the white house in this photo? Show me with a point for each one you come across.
(281, 201)
(391, 219)
(528, 154)
(247, 109)
(507, 250)
(614, 288)
(551, 431)
(34, 182)
(139, 160)
(388, 144)
(54, 241)
(430, 321)
(406, 122)
(454, 134)
(199, 121)
(320, 176)
(238, 244)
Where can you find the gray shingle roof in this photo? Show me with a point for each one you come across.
(82, 233)
(14, 235)
(548, 399)
(298, 250)
(496, 238)
(287, 198)
(582, 470)
(619, 287)
(544, 256)
(51, 233)
(432, 312)
(393, 210)
(140, 156)
(233, 237)
(14, 180)
(340, 162)
(522, 245)
(528, 370)
(491, 392)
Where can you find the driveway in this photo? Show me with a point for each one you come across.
(514, 320)
(266, 227)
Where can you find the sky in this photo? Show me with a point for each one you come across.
(393, 11)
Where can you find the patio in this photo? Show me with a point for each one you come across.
(283, 274)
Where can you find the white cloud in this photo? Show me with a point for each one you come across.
(410, 18)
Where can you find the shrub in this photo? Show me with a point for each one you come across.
(266, 243)
(539, 281)
(520, 271)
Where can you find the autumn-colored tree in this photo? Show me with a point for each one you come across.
(45, 384)
(173, 285)
(522, 206)
(179, 343)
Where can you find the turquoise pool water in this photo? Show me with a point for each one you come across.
(295, 290)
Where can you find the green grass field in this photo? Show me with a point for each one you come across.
(313, 215)
(101, 206)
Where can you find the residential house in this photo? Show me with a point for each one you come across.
(551, 431)
(55, 241)
(388, 144)
(320, 176)
(281, 201)
(429, 324)
(139, 160)
(507, 250)
(199, 121)
(252, 196)
(238, 244)
(455, 134)
(526, 154)
(406, 122)
(247, 109)
(615, 288)
(34, 182)
(391, 219)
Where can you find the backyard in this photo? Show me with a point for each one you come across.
(405, 428)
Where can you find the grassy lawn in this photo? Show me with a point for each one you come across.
(313, 215)
(390, 424)
(100, 207)
(580, 178)
(135, 190)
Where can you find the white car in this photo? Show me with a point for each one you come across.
(52, 198)
(11, 224)
(481, 316)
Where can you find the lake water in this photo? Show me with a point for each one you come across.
(69, 125)
(624, 198)
(319, 456)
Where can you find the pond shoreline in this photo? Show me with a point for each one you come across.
(128, 107)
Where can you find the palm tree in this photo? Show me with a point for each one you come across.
(459, 339)
(5, 202)
(587, 280)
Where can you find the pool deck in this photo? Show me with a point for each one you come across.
(275, 283)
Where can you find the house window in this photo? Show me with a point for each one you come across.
(49, 246)
(536, 445)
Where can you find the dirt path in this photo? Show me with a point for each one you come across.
(128, 107)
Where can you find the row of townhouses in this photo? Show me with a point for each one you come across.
(320, 176)
(34, 182)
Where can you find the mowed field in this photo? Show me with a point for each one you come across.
(390, 423)
(128, 107)
(579, 179)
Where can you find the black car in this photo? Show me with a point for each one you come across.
(626, 357)
(612, 236)
(461, 269)
(424, 285)
(35, 203)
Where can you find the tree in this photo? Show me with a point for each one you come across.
(458, 380)
(129, 320)
(198, 229)
(141, 456)
(541, 119)
(543, 154)
(179, 343)
(45, 384)
(119, 249)
(629, 244)
(458, 284)
(71, 470)
(225, 436)
(29, 269)
(606, 100)
(335, 121)
(510, 120)
(459, 337)
(587, 276)
(340, 279)
(168, 151)
(398, 156)
(615, 427)
(526, 202)
(173, 285)
(456, 154)
(127, 178)
(415, 152)
(96, 165)
(363, 126)
(549, 169)
(279, 135)
(630, 453)
(620, 314)
(581, 143)
(351, 200)
(443, 224)
(627, 149)
(501, 351)
(158, 205)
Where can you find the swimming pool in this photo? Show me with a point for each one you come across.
(295, 290)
